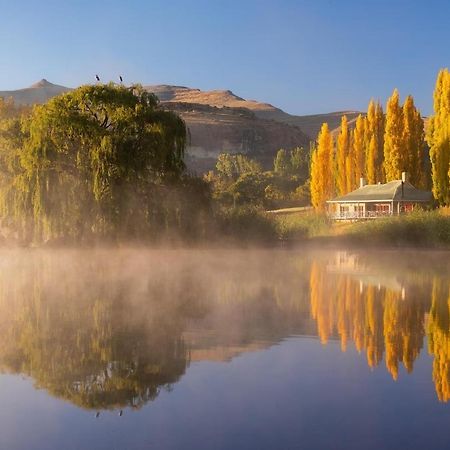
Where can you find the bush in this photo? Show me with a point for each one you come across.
(245, 224)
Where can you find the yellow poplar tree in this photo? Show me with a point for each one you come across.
(393, 139)
(322, 173)
(375, 142)
(342, 153)
(438, 138)
(380, 119)
(359, 145)
(414, 145)
(350, 170)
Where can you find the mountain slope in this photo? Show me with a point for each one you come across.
(218, 121)
(309, 124)
(39, 92)
(236, 130)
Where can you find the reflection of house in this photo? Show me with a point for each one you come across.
(351, 265)
(378, 200)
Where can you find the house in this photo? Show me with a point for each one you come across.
(370, 201)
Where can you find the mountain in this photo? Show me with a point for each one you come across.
(218, 121)
(309, 124)
(38, 92)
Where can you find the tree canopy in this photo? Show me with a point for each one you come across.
(87, 163)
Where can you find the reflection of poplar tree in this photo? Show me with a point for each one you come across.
(439, 338)
(375, 320)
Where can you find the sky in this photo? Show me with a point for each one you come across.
(304, 56)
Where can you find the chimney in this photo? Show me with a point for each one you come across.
(404, 177)
(362, 182)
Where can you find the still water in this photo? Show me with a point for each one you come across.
(266, 349)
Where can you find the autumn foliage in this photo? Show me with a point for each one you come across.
(379, 146)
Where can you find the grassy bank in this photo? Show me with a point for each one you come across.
(420, 229)
(301, 226)
(245, 224)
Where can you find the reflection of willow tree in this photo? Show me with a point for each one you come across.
(84, 342)
(106, 332)
(439, 337)
(377, 320)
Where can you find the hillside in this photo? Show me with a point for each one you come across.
(236, 130)
(218, 121)
(38, 92)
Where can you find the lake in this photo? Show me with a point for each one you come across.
(224, 349)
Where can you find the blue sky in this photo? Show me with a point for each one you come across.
(305, 56)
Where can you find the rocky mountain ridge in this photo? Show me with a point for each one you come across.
(218, 121)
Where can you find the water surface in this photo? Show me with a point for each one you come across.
(264, 349)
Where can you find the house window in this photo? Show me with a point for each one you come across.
(406, 207)
(382, 209)
(360, 210)
(344, 210)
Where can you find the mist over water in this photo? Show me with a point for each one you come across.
(133, 335)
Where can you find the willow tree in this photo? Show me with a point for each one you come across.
(438, 138)
(322, 169)
(85, 163)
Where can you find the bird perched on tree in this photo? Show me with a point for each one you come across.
(97, 77)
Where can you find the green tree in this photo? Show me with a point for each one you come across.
(232, 166)
(282, 163)
(299, 162)
(86, 163)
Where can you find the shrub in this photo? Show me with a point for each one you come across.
(245, 224)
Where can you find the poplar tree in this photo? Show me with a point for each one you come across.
(342, 153)
(375, 142)
(349, 170)
(359, 136)
(413, 140)
(322, 163)
(393, 139)
(438, 138)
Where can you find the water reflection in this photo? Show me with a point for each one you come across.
(106, 331)
(111, 329)
(385, 311)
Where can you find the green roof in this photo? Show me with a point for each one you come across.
(391, 191)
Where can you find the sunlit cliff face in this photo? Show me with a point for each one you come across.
(109, 329)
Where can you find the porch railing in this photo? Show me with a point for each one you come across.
(359, 215)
